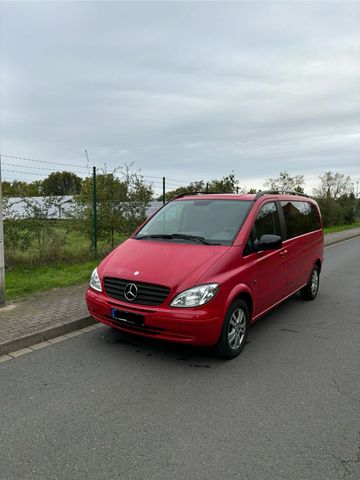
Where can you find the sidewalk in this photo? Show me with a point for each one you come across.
(56, 312)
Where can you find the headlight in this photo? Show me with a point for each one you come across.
(195, 296)
(95, 281)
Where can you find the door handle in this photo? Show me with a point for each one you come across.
(283, 253)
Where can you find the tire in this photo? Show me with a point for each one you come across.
(310, 290)
(234, 330)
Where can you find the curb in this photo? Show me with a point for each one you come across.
(339, 240)
(43, 335)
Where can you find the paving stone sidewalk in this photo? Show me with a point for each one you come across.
(56, 312)
(42, 316)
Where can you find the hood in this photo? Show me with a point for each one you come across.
(175, 265)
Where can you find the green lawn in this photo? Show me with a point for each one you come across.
(20, 282)
(340, 228)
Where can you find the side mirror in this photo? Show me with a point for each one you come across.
(268, 242)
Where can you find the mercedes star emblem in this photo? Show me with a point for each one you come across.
(131, 292)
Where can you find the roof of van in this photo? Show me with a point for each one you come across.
(241, 196)
(216, 196)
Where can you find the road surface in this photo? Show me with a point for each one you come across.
(105, 406)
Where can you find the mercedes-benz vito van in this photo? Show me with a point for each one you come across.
(206, 266)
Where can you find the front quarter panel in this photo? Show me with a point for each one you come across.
(235, 274)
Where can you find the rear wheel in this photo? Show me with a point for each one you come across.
(310, 290)
(234, 330)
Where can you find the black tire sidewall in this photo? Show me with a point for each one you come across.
(223, 348)
(306, 292)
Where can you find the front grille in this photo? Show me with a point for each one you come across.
(147, 293)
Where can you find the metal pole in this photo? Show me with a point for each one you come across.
(237, 189)
(207, 187)
(94, 212)
(2, 258)
(163, 190)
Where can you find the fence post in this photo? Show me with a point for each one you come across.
(163, 190)
(2, 258)
(94, 212)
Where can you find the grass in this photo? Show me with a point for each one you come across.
(21, 282)
(63, 244)
(67, 261)
(340, 228)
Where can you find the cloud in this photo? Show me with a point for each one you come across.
(188, 90)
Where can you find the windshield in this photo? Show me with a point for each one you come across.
(214, 222)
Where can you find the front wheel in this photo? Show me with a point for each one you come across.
(311, 289)
(234, 330)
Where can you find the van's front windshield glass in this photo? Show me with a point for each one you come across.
(214, 222)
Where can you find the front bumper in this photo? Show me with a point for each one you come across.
(196, 326)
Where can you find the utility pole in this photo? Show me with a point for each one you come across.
(2, 258)
(94, 211)
(94, 204)
(163, 191)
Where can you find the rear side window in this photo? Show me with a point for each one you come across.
(300, 218)
(314, 218)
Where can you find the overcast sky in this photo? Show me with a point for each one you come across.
(188, 90)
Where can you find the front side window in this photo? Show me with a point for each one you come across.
(213, 221)
(267, 223)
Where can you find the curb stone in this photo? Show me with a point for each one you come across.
(43, 335)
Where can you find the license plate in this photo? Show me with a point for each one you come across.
(127, 317)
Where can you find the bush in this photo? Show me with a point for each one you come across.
(331, 211)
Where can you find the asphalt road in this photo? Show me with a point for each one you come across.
(105, 406)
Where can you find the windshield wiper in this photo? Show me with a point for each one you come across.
(173, 236)
(191, 237)
(155, 235)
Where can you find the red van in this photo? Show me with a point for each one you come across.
(206, 266)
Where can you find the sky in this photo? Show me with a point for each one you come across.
(185, 90)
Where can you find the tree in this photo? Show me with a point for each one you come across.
(333, 185)
(227, 184)
(331, 211)
(348, 205)
(12, 233)
(122, 198)
(336, 198)
(61, 183)
(19, 188)
(38, 226)
(197, 186)
(285, 183)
